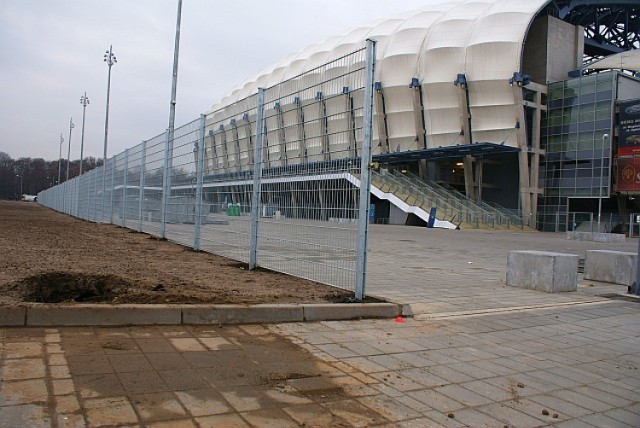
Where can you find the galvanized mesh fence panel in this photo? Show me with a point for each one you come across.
(229, 138)
(181, 202)
(131, 197)
(311, 161)
(152, 188)
(117, 187)
(278, 179)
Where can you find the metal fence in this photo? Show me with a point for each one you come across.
(279, 179)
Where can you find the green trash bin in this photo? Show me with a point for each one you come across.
(233, 210)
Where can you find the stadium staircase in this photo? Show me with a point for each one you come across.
(451, 205)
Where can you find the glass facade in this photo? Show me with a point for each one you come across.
(578, 155)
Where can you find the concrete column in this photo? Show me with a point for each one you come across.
(468, 177)
(209, 154)
(322, 116)
(294, 200)
(523, 157)
(249, 138)
(266, 156)
(418, 116)
(419, 124)
(215, 156)
(351, 123)
(281, 135)
(302, 141)
(465, 116)
(535, 159)
(479, 173)
(321, 197)
(224, 149)
(236, 143)
(381, 119)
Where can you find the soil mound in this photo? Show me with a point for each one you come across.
(58, 287)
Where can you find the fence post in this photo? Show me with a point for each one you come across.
(165, 186)
(103, 206)
(365, 171)
(199, 175)
(75, 197)
(104, 190)
(79, 205)
(143, 155)
(257, 176)
(124, 188)
(88, 187)
(95, 194)
(113, 176)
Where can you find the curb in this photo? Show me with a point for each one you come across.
(47, 315)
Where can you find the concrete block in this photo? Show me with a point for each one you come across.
(241, 314)
(542, 271)
(616, 267)
(610, 238)
(69, 315)
(348, 311)
(12, 316)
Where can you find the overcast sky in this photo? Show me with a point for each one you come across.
(51, 52)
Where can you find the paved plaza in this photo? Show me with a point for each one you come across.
(477, 353)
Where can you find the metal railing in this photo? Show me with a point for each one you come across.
(503, 216)
(279, 179)
(450, 205)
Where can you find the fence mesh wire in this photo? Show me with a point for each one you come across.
(195, 186)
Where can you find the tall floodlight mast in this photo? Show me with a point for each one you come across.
(110, 59)
(71, 126)
(84, 101)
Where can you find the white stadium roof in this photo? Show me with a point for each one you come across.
(481, 38)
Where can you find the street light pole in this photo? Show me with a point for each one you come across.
(71, 126)
(174, 80)
(605, 136)
(110, 59)
(84, 101)
(60, 158)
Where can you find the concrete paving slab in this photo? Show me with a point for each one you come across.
(81, 315)
(241, 314)
(12, 316)
(320, 312)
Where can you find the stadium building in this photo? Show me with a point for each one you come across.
(495, 113)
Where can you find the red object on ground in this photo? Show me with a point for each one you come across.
(399, 319)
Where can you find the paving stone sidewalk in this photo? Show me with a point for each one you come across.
(477, 354)
(562, 367)
(574, 366)
(172, 376)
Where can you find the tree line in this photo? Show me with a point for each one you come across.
(29, 176)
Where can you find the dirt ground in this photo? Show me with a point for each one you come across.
(50, 257)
